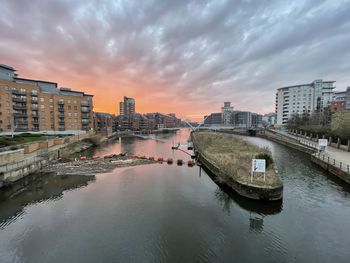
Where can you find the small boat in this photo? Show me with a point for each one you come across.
(160, 159)
(151, 158)
(179, 162)
(170, 161)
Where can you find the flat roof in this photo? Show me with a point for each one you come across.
(49, 82)
(308, 84)
(7, 67)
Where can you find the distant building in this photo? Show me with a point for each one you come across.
(227, 112)
(342, 96)
(129, 106)
(36, 105)
(269, 119)
(105, 123)
(243, 119)
(213, 119)
(337, 105)
(121, 108)
(304, 98)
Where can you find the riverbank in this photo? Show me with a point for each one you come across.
(333, 160)
(230, 160)
(95, 166)
(17, 164)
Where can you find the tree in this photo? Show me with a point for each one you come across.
(340, 124)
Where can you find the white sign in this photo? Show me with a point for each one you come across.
(322, 142)
(258, 166)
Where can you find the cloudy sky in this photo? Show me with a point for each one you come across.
(178, 56)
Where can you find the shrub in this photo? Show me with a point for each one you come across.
(266, 156)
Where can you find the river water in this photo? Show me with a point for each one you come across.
(170, 213)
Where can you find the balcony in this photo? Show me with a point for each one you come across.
(36, 121)
(19, 92)
(85, 116)
(19, 99)
(60, 109)
(20, 106)
(85, 121)
(60, 102)
(20, 115)
(34, 101)
(60, 115)
(61, 128)
(21, 122)
(85, 109)
(34, 94)
(61, 122)
(84, 103)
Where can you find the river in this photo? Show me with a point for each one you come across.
(170, 213)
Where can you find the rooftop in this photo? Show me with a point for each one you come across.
(7, 67)
(308, 84)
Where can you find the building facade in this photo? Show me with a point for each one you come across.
(269, 119)
(304, 98)
(213, 119)
(227, 112)
(127, 107)
(35, 105)
(342, 96)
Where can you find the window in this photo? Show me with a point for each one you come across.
(69, 107)
(42, 99)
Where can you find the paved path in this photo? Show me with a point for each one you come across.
(332, 152)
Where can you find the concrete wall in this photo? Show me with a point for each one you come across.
(332, 169)
(11, 156)
(15, 165)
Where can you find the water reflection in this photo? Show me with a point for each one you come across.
(35, 189)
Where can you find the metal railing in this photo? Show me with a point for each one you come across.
(331, 161)
(308, 143)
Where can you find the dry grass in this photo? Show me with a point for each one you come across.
(234, 157)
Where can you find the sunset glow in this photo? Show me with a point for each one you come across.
(185, 57)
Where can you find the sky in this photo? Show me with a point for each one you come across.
(186, 57)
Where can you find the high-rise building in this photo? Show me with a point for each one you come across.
(226, 113)
(36, 105)
(121, 108)
(304, 98)
(127, 107)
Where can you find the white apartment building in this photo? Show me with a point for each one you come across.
(302, 98)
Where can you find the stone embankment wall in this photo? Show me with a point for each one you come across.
(17, 164)
(264, 193)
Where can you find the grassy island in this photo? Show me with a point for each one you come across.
(233, 158)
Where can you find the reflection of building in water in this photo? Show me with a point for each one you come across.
(36, 188)
(256, 223)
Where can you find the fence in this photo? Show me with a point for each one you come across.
(331, 161)
(308, 143)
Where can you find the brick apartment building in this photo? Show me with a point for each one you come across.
(36, 105)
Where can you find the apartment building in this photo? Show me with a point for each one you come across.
(127, 107)
(36, 105)
(304, 98)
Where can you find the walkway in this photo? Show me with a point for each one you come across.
(332, 155)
